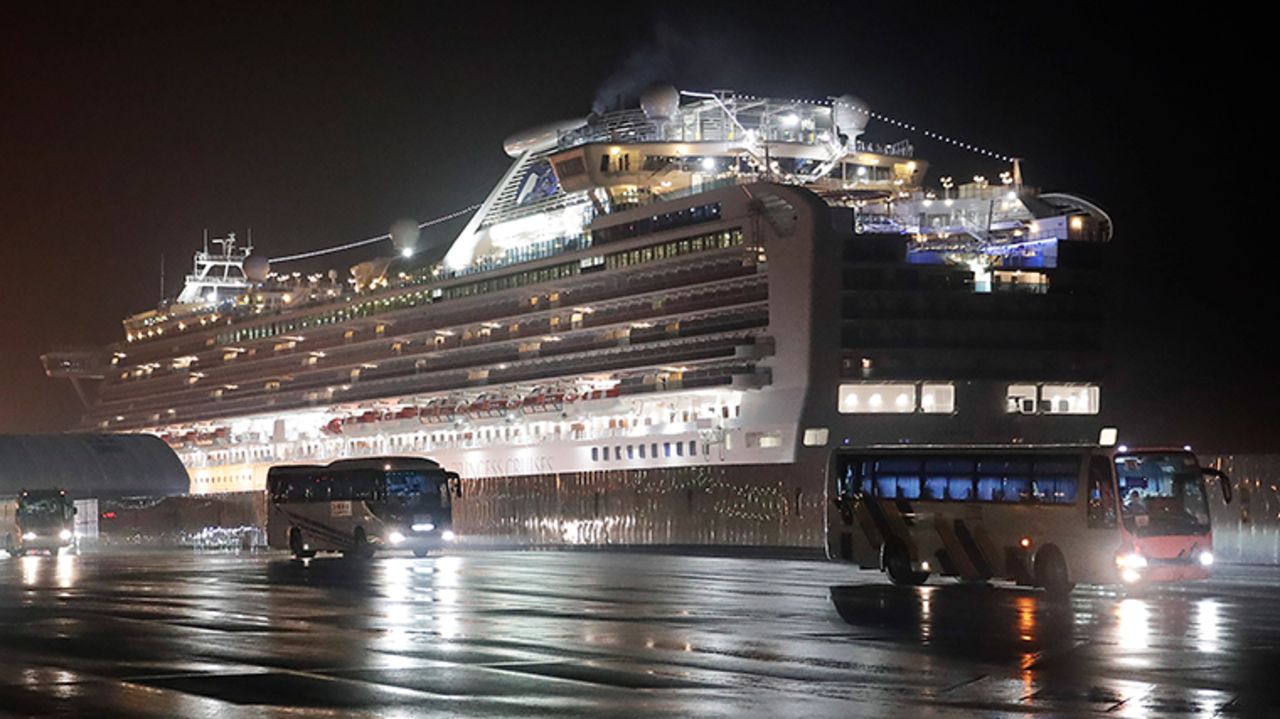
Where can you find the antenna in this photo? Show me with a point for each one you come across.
(206, 240)
(162, 277)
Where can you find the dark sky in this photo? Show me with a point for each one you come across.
(126, 130)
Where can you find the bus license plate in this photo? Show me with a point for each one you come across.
(340, 509)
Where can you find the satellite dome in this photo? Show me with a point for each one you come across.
(404, 235)
(850, 114)
(659, 101)
(256, 268)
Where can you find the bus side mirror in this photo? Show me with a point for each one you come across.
(1224, 482)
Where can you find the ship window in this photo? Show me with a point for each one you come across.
(693, 448)
(631, 451)
(884, 398)
(813, 436)
(1021, 398)
(938, 398)
(653, 450)
(1069, 399)
(679, 449)
(595, 454)
(642, 451)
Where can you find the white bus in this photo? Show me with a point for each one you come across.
(1047, 516)
(356, 506)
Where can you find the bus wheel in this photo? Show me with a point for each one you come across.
(360, 544)
(897, 563)
(1051, 572)
(295, 542)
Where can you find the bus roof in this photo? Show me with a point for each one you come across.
(385, 463)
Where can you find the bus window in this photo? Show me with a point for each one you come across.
(954, 475)
(886, 487)
(1102, 501)
(1016, 489)
(1055, 480)
(960, 488)
(1004, 479)
(909, 487)
(1054, 490)
(935, 488)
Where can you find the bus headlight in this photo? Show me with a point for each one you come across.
(64, 535)
(423, 527)
(1206, 558)
(29, 536)
(1131, 561)
(448, 535)
(395, 537)
(1130, 576)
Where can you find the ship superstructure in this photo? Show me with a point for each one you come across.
(654, 329)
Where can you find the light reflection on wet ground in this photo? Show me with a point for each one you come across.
(581, 633)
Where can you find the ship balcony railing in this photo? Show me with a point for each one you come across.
(684, 272)
(507, 310)
(613, 357)
(720, 304)
(728, 300)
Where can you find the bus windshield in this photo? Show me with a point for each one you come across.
(43, 509)
(1162, 494)
(416, 490)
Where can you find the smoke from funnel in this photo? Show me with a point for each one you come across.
(658, 60)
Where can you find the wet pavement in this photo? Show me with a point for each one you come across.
(589, 634)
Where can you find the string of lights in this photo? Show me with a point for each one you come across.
(370, 240)
(940, 137)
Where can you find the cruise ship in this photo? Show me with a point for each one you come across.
(655, 329)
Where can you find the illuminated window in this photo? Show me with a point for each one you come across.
(879, 398)
(938, 398)
(1021, 398)
(816, 436)
(1069, 398)
(1053, 399)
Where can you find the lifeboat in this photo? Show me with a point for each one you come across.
(436, 411)
(543, 402)
(486, 406)
(600, 394)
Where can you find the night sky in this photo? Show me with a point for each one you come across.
(127, 130)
